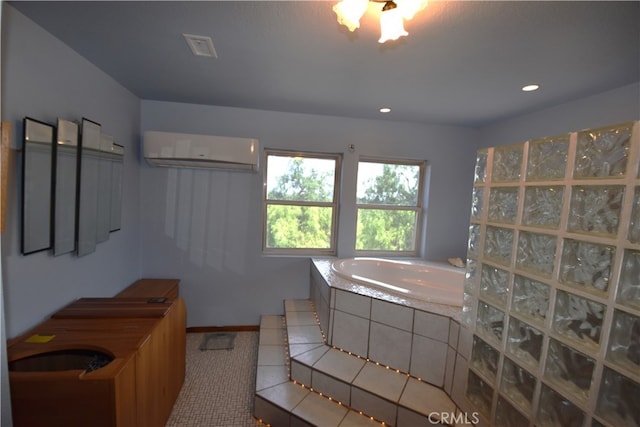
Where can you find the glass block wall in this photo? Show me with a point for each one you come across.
(552, 292)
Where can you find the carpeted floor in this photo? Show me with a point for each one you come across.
(219, 385)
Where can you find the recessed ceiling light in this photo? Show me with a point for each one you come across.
(385, 110)
(201, 45)
(530, 88)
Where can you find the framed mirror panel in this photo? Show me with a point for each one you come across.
(103, 220)
(66, 168)
(117, 165)
(87, 202)
(37, 167)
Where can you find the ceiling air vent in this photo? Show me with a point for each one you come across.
(201, 45)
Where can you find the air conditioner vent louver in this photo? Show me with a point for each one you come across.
(201, 151)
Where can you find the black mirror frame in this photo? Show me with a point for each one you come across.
(43, 173)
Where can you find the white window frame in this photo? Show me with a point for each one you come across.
(333, 204)
(418, 208)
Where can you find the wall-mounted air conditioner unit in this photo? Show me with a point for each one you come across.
(201, 151)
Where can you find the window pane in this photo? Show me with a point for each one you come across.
(388, 184)
(386, 230)
(300, 179)
(300, 227)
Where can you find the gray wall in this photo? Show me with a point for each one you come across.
(44, 79)
(607, 108)
(205, 227)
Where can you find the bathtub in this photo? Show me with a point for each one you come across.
(426, 281)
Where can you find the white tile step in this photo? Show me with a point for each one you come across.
(385, 394)
(281, 402)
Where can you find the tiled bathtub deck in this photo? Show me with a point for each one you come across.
(302, 381)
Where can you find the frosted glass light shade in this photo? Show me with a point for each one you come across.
(349, 12)
(391, 25)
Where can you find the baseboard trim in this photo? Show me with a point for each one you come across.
(230, 328)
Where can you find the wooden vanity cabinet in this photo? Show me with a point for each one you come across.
(147, 341)
(147, 288)
(44, 396)
(106, 397)
(175, 329)
(105, 308)
(170, 289)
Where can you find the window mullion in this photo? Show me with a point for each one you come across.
(387, 207)
(299, 203)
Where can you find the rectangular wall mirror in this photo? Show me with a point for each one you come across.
(66, 167)
(103, 221)
(117, 165)
(87, 203)
(37, 166)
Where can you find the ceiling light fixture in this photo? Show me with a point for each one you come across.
(385, 110)
(394, 12)
(530, 88)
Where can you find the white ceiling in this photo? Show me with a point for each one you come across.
(463, 62)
